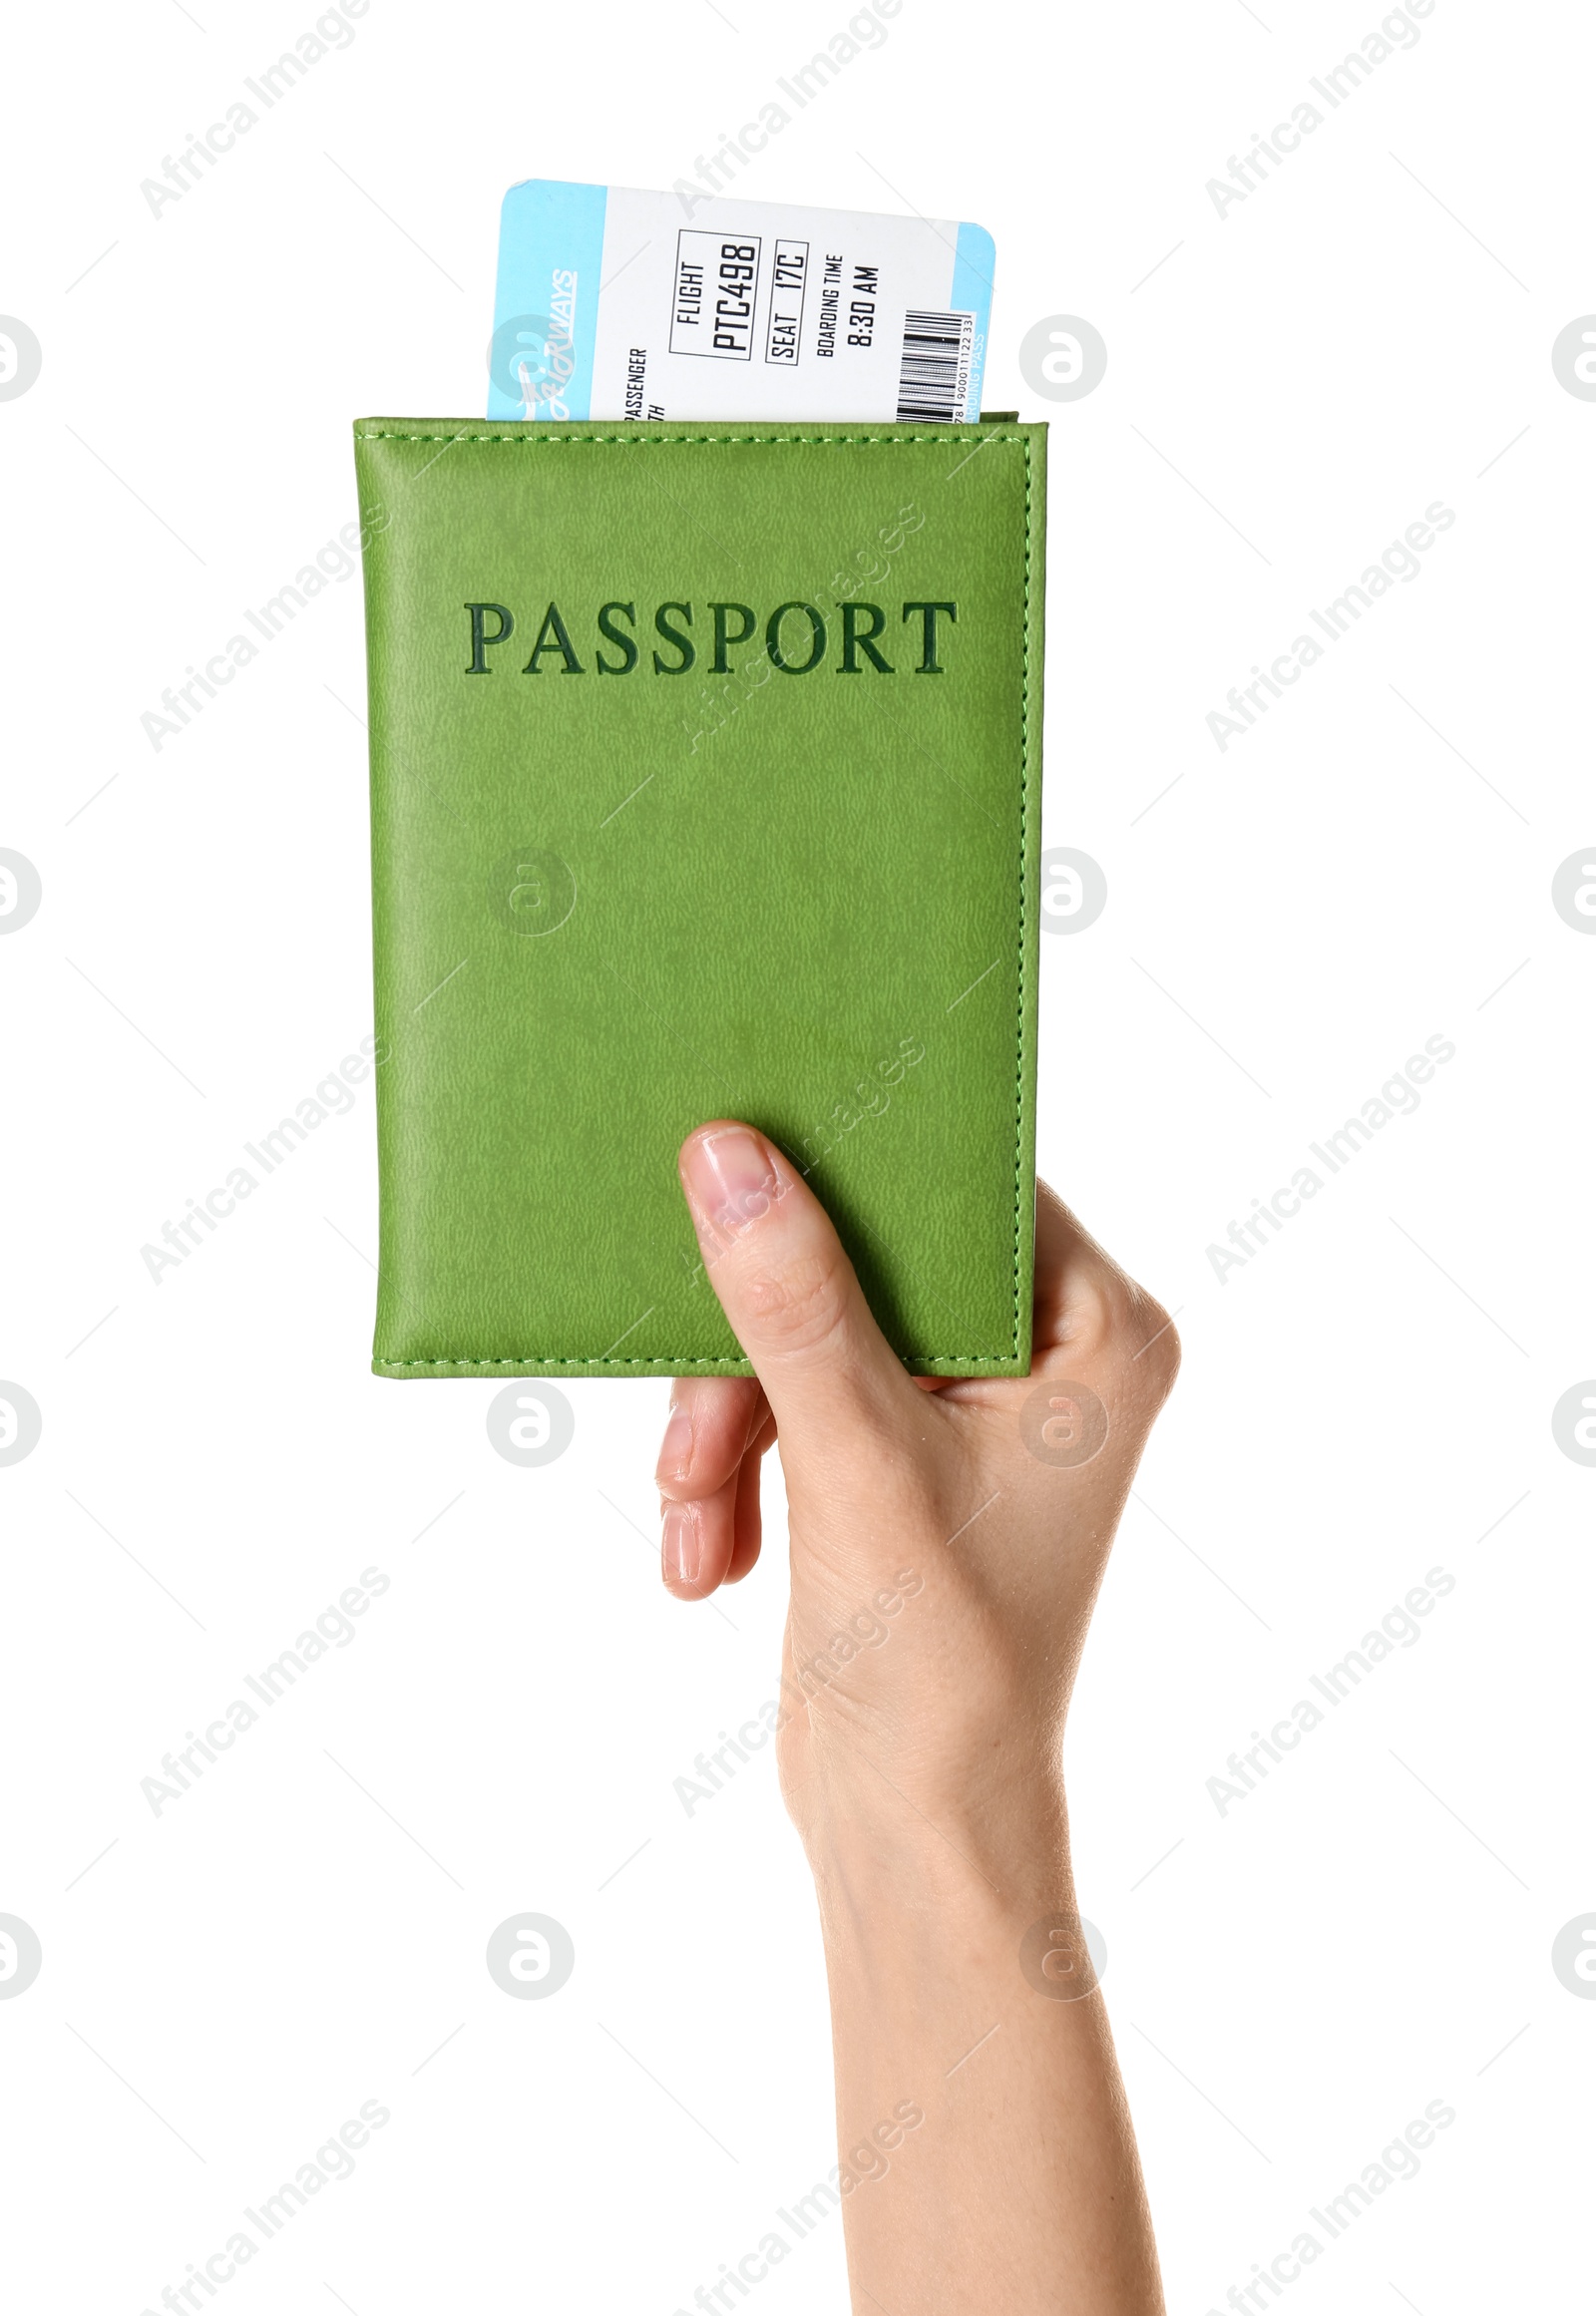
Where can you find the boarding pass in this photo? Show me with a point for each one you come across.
(619, 304)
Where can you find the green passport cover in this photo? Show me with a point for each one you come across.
(705, 781)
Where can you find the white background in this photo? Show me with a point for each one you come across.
(1370, 1396)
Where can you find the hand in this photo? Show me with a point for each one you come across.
(946, 1544)
(947, 1539)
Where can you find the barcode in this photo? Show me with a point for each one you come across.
(933, 366)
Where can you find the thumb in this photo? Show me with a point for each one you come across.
(790, 1293)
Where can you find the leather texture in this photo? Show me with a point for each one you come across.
(613, 900)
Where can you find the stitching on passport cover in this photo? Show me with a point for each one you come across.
(664, 441)
(840, 442)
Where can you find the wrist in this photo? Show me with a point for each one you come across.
(927, 1950)
(996, 1853)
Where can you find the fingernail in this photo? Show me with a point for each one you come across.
(731, 1178)
(680, 1544)
(676, 1449)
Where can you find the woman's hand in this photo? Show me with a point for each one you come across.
(947, 1539)
(946, 1544)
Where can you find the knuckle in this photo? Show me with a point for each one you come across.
(798, 1305)
(1158, 1352)
(1101, 1319)
(1116, 1321)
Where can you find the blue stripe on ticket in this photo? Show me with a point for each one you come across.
(546, 309)
(975, 263)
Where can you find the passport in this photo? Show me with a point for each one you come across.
(705, 781)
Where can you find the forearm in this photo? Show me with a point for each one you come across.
(1018, 2188)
